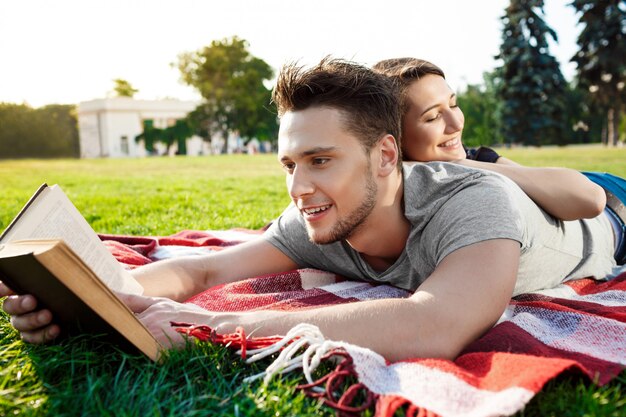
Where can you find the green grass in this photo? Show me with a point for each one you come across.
(159, 196)
(155, 195)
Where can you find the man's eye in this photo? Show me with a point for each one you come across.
(320, 161)
(289, 167)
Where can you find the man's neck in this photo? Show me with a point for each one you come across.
(382, 238)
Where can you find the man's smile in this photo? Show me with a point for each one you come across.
(314, 211)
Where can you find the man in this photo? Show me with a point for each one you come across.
(463, 240)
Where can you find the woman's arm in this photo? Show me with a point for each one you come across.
(564, 193)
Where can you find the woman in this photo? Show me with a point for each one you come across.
(432, 127)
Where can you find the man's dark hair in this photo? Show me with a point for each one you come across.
(368, 101)
(404, 71)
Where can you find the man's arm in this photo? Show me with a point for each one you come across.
(464, 297)
(177, 278)
(564, 193)
(181, 278)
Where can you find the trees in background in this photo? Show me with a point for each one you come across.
(601, 60)
(481, 108)
(528, 93)
(177, 134)
(46, 132)
(525, 101)
(232, 84)
(529, 83)
(123, 88)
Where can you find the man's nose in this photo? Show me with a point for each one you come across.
(299, 184)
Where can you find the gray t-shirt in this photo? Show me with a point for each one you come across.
(451, 206)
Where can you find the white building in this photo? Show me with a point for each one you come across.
(108, 127)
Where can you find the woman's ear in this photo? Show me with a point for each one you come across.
(388, 155)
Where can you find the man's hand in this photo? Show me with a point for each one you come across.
(157, 313)
(35, 326)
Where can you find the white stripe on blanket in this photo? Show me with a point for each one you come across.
(363, 290)
(433, 389)
(234, 235)
(598, 337)
(612, 298)
(172, 251)
(166, 252)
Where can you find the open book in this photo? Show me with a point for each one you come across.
(49, 250)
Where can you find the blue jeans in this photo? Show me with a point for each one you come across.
(616, 194)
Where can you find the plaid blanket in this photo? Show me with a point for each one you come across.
(579, 326)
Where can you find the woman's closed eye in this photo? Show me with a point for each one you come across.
(432, 118)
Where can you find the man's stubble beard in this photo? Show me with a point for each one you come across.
(347, 226)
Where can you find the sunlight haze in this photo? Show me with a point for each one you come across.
(69, 51)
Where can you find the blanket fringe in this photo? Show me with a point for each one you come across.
(235, 340)
(303, 336)
(304, 346)
(338, 380)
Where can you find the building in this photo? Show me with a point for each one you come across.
(108, 127)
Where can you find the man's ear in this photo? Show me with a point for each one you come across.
(388, 155)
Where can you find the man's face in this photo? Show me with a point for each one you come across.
(329, 175)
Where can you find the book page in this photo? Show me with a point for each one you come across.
(53, 216)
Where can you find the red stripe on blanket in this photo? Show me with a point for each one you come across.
(592, 286)
(509, 338)
(496, 371)
(277, 292)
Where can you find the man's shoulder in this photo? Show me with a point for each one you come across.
(439, 171)
(435, 180)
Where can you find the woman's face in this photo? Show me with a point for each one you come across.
(432, 127)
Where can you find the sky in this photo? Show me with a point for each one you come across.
(68, 51)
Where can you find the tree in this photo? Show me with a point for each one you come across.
(601, 60)
(232, 84)
(480, 107)
(46, 132)
(530, 83)
(123, 88)
(177, 134)
(150, 136)
(584, 119)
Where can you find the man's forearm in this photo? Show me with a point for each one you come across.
(181, 278)
(388, 327)
(395, 328)
(177, 279)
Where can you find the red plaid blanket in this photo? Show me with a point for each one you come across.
(578, 326)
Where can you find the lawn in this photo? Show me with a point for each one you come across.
(160, 196)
